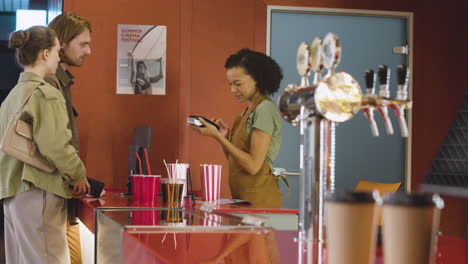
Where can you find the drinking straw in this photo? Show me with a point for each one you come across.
(165, 164)
(147, 161)
(139, 161)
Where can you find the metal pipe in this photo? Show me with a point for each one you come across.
(317, 165)
(309, 184)
(331, 161)
(317, 170)
(324, 182)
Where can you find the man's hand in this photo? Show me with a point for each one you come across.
(80, 189)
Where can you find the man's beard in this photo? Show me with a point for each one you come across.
(68, 61)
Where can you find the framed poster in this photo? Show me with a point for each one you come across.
(141, 59)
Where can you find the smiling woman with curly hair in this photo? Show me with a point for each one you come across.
(254, 141)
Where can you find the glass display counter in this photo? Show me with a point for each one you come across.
(121, 231)
(172, 235)
(207, 245)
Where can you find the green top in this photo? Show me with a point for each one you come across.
(47, 113)
(266, 117)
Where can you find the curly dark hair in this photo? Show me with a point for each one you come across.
(263, 69)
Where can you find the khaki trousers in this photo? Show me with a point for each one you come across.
(35, 228)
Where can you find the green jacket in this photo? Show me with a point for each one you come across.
(47, 113)
(63, 81)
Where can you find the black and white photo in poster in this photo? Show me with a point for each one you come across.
(141, 59)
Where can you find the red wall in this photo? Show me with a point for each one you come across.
(201, 34)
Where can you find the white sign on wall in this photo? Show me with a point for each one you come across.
(141, 59)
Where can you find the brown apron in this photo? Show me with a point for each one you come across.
(261, 189)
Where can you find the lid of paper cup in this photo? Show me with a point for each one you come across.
(353, 197)
(413, 199)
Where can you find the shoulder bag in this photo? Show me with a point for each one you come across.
(18, 142)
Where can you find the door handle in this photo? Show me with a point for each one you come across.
(283, 171)
(400, 50)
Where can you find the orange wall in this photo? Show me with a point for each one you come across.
(106, 119)
(201, 34)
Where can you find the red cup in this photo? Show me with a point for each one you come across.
(151, 217)
(145, 217)
(137, 188)
(150, 189)
(137, 217)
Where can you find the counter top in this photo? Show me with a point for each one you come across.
(114, 199)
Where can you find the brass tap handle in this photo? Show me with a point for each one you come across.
(378, 101)
(403, 125)
(402, 94)
(369, 78)
(403, 74)
(369, 114)
(399, 112)
(388, 123)
(384, 76)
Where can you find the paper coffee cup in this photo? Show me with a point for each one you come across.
(351, 226)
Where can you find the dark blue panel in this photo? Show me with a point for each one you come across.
(367, 42)
(7, 24)
(9, 71)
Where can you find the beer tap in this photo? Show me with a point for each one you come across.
(384, 77)
(402, 94)
(315, 59)
(335, 98)
(369, 112)
(303, 66)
